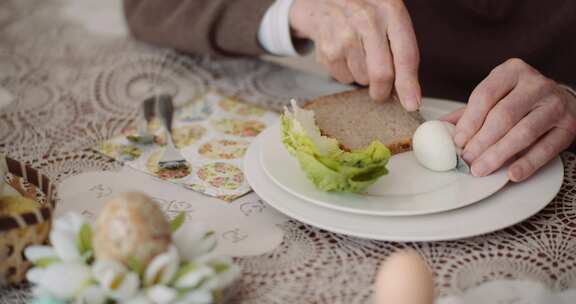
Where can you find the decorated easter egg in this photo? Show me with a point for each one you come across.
(131, 227)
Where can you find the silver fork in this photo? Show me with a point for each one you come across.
(148, 109)
(171, 158)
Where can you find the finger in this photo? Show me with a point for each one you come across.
(520, 137)
(379, 62)
(500, 119)
(454, 116)
(334, 61)
(541, 153)
(356, 60)
(332, 45)
(489, 92)
(339, 70)
(405, 54)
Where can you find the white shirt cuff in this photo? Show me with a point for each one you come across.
(274, 32)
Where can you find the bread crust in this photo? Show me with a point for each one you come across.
(396, 147)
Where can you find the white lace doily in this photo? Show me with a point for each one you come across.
(64, 88)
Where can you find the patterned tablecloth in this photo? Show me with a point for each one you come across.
(67, 83)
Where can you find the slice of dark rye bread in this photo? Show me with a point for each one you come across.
(356, 120)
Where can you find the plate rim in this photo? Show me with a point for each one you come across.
(251, 168)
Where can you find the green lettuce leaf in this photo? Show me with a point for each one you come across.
(328, 166)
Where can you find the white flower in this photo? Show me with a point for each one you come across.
(64, 236)
(162, 268)
(194, 276)
(61, 271)
(226, 272)
(161, 294)
(116, 279)
(225, 278)
(194, 240)
(61, 280)
(91, 295)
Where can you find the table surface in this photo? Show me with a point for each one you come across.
(65, 85)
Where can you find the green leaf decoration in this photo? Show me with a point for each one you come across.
(209, 234)
(217, 295)
(220, 267)
(45, 262)
(177, 222)
(88, 257)
(184, 269)
(85, 239)
(136, 266)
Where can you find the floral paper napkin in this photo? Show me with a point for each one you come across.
(212, 133)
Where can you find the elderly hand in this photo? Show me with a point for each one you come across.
(515, 110)
(371, 42)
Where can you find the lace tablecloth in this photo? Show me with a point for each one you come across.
(65, 85)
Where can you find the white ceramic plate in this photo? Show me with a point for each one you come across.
(507, 207)
(408, 189)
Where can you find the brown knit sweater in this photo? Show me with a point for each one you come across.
(460, 40)
(223, 27)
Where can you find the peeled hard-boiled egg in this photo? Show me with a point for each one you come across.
(404, 278)
(434, 147)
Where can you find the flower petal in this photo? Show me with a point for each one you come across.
(64, 280)
(107, 268)
(194, 277)
(115, 278)
(34, 275)
(70, 222)
(161, 294)
(128, 288)
(194, 240)
(222, 280)
(162, 268)
(35, 253)
(91, 295)
(65, 245)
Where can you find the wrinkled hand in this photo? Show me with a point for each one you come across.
(371, 42)
(514, 111)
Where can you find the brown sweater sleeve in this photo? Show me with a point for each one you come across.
(223, 27)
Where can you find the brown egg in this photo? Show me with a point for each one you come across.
(404, 278)
(131, 226)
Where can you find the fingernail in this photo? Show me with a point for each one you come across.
(479, 169)
(460, 139)
(417, 102)
(516, 173)
(412, 106)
